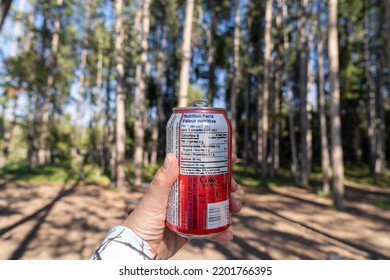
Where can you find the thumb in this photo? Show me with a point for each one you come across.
(156, 198)
(165, 177)
(148, 218)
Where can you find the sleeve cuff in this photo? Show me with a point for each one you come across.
(122, 243)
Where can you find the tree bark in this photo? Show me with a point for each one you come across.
(108, 135)
(4, 8)
(336, 145)
(211, 93)
(236, 74)
(44, 154)
(120, 138)
(247, 148)
(325, 163)
(18, 29)
(309, 114)
(161, 65)
(302, 85)
(99, 109)
(266, 87)
(8, 133)
(140, 93)
(286, 49)
(371, 97)
(275, 144)
(380, 159)
(80, 91)
(186, 56)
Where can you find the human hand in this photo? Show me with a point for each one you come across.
(147, 220)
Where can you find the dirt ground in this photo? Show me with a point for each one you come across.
(49, 221)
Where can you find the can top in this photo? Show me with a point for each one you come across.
(199, 104)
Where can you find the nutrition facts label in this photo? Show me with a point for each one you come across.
(199, 200)
(203, 144)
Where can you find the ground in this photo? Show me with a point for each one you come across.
(68, 221)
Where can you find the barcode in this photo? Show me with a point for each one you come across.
(218, 214)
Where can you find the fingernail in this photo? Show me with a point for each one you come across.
(166, 163)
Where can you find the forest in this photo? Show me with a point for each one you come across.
(87, 88)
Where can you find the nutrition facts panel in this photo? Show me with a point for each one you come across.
(204, 146)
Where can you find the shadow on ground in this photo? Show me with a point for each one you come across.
(68, 221)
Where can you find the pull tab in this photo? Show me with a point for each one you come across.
(200, 103)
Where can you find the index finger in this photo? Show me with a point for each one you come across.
(234, 158)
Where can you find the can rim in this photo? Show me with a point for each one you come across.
(199, 108)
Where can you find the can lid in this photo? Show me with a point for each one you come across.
(200, 104)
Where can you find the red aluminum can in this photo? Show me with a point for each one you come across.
(200, 137)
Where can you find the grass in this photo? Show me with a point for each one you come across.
(247, 177)
(251, 178)
(361, 174)
(383, 203)
(60, 172)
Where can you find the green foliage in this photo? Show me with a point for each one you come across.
(26, 69)
(361, 174)
(194, 93)
(58, 172)
(60, 136)
(247, 178)
(383, 203)
(19, 171)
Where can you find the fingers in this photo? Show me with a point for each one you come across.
(147, 220)
(222, 237)
(235, 205)
(234, 158)
(165, 176)
(234, 185)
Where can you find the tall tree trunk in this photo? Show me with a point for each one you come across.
(266, 87)
(302, 85)
(18, 29)
(186, 56)
(275, 144)
(236, 74)
(99, 110)
(108, 135)
(35, 96)
(380, 162)
(371, 96)
(120, 138)
(80, 92)
(4, 8)
(310, 82)
(32, 135)
(211, 53)
(161, 65)
(43, 154)
(140, 93)
(380, 159)
(336, 145)
(325, 162)
(14, 49)
(286, 50)
(387, 36)
(8, 133)
(247, 148)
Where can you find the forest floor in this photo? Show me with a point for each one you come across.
(68, 221)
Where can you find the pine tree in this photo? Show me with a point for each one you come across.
(336, 145)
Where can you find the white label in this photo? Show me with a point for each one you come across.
(218, 214)
(204, 146)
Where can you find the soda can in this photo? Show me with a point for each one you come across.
(200, 137)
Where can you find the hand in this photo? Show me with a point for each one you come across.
(148, 218)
